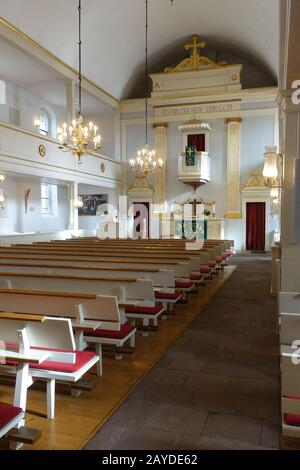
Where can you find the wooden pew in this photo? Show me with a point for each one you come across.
(221, 246)
(216, 251)
(163, 280)
(12, 418)
(96, 319)
(181, 268)
(289, 328)
(137, 294)
(195, 260)
(51, 342)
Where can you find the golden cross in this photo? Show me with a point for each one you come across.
(194, 203)
(194, 47)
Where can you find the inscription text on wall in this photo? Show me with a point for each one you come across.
(185, 110)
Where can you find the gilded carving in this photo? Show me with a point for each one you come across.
(255, 181)
(42, 150)
(196, 61)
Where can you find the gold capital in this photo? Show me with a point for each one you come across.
(236, 119)
(156, 125)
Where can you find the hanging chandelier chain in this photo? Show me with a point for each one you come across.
(146, 163)
(146, 72)
(79, 47)
(76, 137)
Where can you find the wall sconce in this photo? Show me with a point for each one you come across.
(37, 123)
(275, 196)
(78, 203)
(270, 167)
(2, 198)
(273, 175)
(2, 177)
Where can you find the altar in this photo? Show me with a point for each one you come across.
(202, 118)
(194, 218)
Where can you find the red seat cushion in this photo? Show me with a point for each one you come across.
(171, 296)
(205, 270)
(290, 418)
(125, 330)
(212, 265)
(8, 414)
(184, 284)
(196, 277)
(144, 310)
(82, 358)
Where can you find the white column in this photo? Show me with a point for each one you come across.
(233, 168)
(70, 99)
(160, 179)
(290, 146)
(73, 211)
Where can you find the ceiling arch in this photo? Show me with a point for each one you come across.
(113, 32)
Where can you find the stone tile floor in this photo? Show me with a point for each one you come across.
(218, 385)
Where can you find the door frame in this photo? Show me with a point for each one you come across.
(266, 200)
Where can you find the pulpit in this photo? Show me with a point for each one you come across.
(194, 159)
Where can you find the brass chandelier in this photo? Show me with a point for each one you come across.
(76, 137)
(145, 163)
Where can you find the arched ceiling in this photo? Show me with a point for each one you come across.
(113, 32)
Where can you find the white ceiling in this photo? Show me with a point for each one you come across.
(113, 32)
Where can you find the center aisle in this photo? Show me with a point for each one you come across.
(218, 385)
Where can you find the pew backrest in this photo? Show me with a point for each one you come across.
(122, 288)
(98, 308)
(51, 333)
(160, 278)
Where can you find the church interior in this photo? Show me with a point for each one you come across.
(149, 225)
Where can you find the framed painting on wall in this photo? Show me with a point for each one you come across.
(91, 204)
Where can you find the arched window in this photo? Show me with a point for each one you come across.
(44, 122)
(2, 92)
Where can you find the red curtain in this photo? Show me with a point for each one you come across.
(256, 226)
(197, 141)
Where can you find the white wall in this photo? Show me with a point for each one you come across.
(106, 125)
(33, 221)
(29, 106)
(10, 224)
(257, 133)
